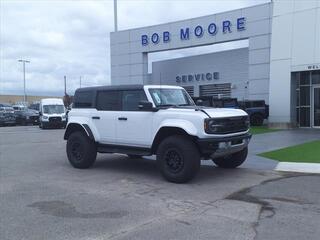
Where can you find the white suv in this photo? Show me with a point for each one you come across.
(142, 120)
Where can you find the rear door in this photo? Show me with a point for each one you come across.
(134, 125)
(108, 105)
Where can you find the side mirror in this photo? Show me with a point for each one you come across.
(199, 102)
(40, 113)
(145, 106)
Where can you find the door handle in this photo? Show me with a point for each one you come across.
(95, 117)
(122, 118)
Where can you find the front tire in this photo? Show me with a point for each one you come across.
(178, 159)
(233, 160)
(81, 150)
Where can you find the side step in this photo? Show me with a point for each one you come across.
(111, 148)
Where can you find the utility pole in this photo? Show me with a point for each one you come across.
(24, 77)
(65, 85)
(115, 15)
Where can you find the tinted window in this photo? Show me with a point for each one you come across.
(131, 99)
(83, 99)
(108, 100)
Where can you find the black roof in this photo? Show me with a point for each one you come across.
(113, 87)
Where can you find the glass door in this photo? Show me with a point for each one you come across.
(316, 106)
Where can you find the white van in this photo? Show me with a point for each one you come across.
(52, 113)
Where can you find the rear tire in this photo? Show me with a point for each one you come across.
(232, 161)
(81, 150)
(178, 159)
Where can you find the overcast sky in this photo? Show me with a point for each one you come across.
(71, 38)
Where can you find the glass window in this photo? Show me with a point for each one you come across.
(304, 96)
(83, 99)
(131, 99)
(304, 117)
(315, 77)
(296, 78)
(170, 97)
(51, 109)
(108, 101)
(305, 78)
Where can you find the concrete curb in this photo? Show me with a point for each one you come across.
(298, 167)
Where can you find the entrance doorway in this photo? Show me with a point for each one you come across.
(316, 106)
(307, 98)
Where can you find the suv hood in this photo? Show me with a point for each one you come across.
(215, 112)
(224, 112)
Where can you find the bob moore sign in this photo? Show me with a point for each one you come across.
(212, 29)
(197, 77)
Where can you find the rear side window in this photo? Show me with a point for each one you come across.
(108, 101)
(83, 99)
(131, 99)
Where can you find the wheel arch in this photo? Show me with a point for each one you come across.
(168, 131)
(72, 127)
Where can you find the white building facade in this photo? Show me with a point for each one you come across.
(281, 64)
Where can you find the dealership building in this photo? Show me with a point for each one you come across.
(279, 64)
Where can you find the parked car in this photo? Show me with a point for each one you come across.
(26, 116)
(217, 102)
(52, 113)
(7, 116)
(257, 110)
(142, 120)
(35, 106)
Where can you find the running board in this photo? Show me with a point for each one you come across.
(112, 148)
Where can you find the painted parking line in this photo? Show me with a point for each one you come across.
(298, 167)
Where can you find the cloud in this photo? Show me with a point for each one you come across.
(72, 37)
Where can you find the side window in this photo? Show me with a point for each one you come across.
(83, 99)
(131, 99)
(108, 101)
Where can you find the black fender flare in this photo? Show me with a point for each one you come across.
(78, 127)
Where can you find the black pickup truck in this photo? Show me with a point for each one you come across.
(256, 109)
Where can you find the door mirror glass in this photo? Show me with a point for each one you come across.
(145, 106)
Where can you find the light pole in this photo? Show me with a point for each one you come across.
(115, 15)
(80, 81)
(24, 77)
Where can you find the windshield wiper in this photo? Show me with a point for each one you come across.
(185, 104)
(167, 105)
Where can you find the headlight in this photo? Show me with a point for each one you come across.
(64, 117)
(45, 117)
(211, 126)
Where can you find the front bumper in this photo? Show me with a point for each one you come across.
(221, 146)
(55, 124)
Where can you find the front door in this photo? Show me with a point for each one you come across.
(133, 125)
(316, 106)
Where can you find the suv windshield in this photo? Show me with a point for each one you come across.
(50, 109)
(170, 97)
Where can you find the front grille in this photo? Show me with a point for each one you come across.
(231, 125)
(55, 119)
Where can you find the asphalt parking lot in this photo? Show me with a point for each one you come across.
(43, 197)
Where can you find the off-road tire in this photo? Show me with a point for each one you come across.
(178, 159)
(233, 160)
(81, 150)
